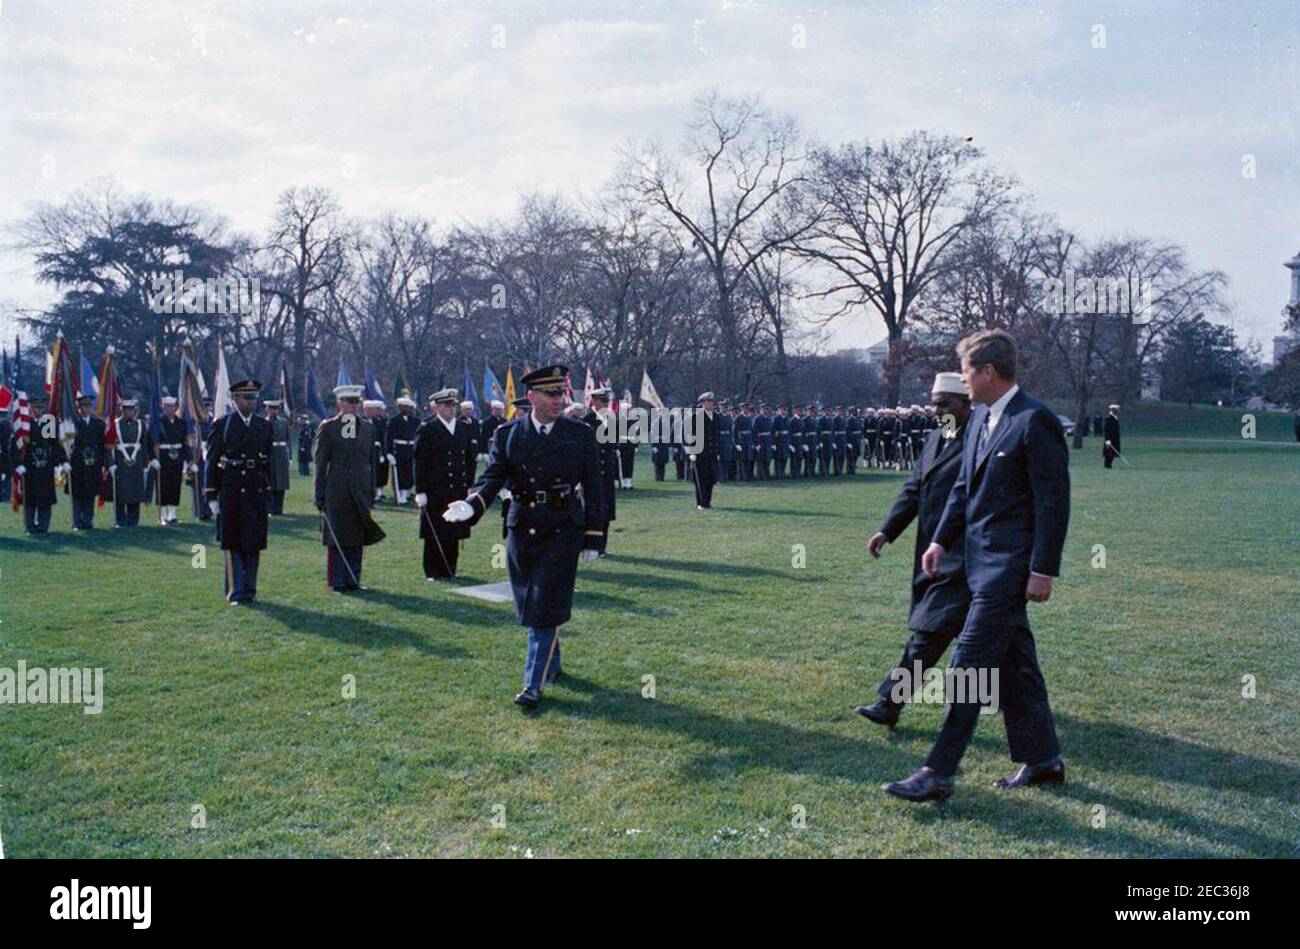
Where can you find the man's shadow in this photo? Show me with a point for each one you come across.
(354, 630)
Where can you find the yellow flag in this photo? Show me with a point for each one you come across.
(510, 391)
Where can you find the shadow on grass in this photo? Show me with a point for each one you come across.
(353, 630)
(740, 744)
(708, 567)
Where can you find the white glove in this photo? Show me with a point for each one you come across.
(214, 507)
(505, 495)
(154, 464)
(587, 556)
(112, 470)
(421, 500)
(458, 511)
(67, 468)
(20, 470)
(482, 456)
(392, 459)
(193, 468)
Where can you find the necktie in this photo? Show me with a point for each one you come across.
(984, 435)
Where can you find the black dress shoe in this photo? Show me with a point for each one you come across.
(882, 713)
(1030, 774)
(925, 785)
(528, 699)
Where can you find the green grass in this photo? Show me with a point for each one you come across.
(756, 666)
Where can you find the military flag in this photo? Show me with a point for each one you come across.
(648, 392)
(491, 387)
(343, 378)
(312, 395)
(469, 393)
(510, 391)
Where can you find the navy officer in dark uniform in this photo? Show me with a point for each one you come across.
(236, 482)
(551, 467)
(705, 459)
(89, 461)
(939, 604)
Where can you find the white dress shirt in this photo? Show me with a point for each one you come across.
(449, 426)
(998, 407)
(541, 429)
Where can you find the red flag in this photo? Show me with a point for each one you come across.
(22, 435)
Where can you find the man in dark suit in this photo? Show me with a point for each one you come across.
(550, 466)
(705, 460)
(1011, 502)
(604, 424)
(445, 455)
(939, 603)
(345, 489)
(1110, 442)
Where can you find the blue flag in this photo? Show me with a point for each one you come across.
(344, 379)
(491, 387)
(373, 391)
(312, 400)
(89, 384)
(469, 391)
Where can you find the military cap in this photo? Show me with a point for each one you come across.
(350, 393)
(706, 396)
(521, 402)
(406, 400)
(1112, 408)
(171, 399)
(445, 397)
(372, 404)
(602, 393)
(547, 378)
(244, 387)
(85, 398)
(130, 403)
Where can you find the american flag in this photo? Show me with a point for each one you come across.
(22, 432)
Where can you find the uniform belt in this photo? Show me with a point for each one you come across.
(239, 462)
(176, 447)
(280, 444)
(560, 493)
(397, 441)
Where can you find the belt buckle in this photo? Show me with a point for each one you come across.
(539, 497)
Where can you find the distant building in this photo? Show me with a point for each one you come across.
(1285, 343)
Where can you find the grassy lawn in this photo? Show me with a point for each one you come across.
(756, 666)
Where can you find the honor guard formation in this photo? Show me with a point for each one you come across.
(557, 464)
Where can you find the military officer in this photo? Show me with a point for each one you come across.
(660, 448)
(852, 440)
(763, 442)
(552, 468)
(839, 439)
(345, 452)
(522, 411)
(445, 454)
(780, 440)
(602, 423)
(475, 427)
(238, 463)
(725, 440)
(743, 430)
(373, 411)
(171, 453)
(939, 604)
(304, 444)
(704, 461)
(495, 419)
(127, 465)
(6, 449)
(38, 456)
(1110, 447)
(88, 459)
(402, 431)
(278, 475)
(1098, 427)
(201, 509)
(870, 436)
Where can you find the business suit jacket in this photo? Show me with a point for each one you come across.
(941, 602)
(1011, 500)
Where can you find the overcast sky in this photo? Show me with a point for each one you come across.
(452, 109)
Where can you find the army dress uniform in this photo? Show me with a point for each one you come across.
(237, 483)
(37, 458)
(705, 460)
(445, 455)
(1110, 445)
(305, 434)
(553, 473)
(379, 464)
(780, 441)
(602, 424)
(344, 450)
(278, 475)
(762, 445)
(127, 469)
(853, 441)
(403, 428)
(171, 455)
(88, 461)
(726, 429)
(839, 439)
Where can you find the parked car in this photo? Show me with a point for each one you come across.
(1067, 425)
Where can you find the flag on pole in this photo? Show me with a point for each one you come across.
(18, 365)
(312, 395)
(491, 387)
(588, 387)
(22, 433)
(108, 396)
(155, 392)
(343, 378)
(510, 392)
(221, 401)
(62, 395)
(373, 389)
(286, 391)
(400, 388)
(648, 391)
(469, 394)
(87, 384)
